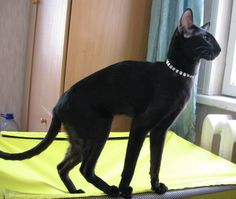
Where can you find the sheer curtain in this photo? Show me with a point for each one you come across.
(165, 17)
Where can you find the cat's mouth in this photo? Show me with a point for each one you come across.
(209, 55)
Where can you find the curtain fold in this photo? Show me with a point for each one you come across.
(165, 16)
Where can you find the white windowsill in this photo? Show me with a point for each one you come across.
(221, 102)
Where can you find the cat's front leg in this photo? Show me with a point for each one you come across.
(136, 139)
(159, 188)
(157, 140)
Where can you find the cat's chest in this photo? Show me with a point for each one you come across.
(173, 89)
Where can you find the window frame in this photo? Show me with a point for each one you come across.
(228, 88)
(211, 73)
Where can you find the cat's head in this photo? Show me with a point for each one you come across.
(193, 42)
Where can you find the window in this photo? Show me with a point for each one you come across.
(218, 77)
(229, 82)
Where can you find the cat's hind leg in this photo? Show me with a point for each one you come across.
(88, 170)
(91, 153)
(72, 158)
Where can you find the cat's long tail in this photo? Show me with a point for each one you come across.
(51, 134)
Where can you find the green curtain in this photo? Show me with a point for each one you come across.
(165, 17)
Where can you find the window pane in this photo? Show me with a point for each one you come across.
(233, 74)
(229, 83)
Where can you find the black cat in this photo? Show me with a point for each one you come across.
(153, 94)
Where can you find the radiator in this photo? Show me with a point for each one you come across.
(219, 135)
(228, 141)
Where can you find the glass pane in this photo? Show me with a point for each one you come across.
(233, 74)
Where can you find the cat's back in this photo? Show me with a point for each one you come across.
(122, 83)
(125, 72)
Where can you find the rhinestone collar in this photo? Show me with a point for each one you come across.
(177, 71)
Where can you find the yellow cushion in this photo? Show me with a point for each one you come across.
(184, 165)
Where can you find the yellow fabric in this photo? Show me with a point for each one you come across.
(184, 165)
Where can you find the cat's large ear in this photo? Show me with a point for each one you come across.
(186, 22)
(206, 26)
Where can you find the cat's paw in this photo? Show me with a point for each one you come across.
(77, 191)
(126, 192)
(160, 188)
(113, 192)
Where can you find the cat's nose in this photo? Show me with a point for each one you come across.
(218, 49)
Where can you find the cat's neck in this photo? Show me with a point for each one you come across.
(184, 64)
